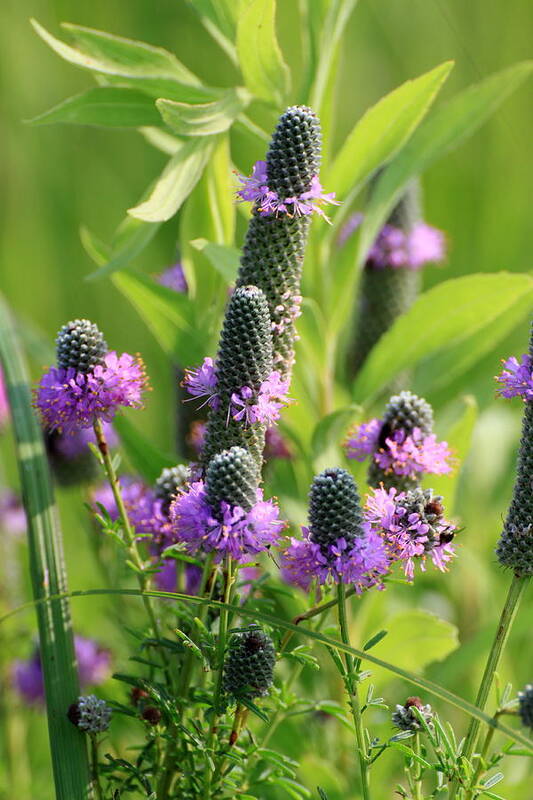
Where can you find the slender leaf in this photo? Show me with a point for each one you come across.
(48, 575)
(459, 438)
(223, 258)
(161, 140)
(176, 182)
(146, 459)
(265, 73)
(131, 238)
(443, 130)
(331, 31)
(105, 106)
(384, 129)
(220, 192)
(447, 314)
(331, 428)
(204, 119)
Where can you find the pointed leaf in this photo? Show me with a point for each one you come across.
(224, 259)
(204, 119)
(106, 106)
(265, 72)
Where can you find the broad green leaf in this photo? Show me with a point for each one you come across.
(221, 192)
(106, 106)
(146, 459)
(204, 119)
(331, 428)
(131, 238)
(441, 318)
(265, 73)
(459, 438)
(223, 258)
(161, 140)
(166, 313)
(222, 13)
(176, 182)
(384, 129)
(443, 130)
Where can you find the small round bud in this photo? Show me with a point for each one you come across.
(137, 695)
(232, 477)
(525, 705)
(168, 483)
(152, 715)
(90, 714)
(406, 720)
(249, 668)
(334, 509)
(80, 345)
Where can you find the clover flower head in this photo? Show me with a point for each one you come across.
(143, 508)
(202, 382)
(90, 714)
(406, 720)
(174, 278)
(414, 454)
(226, 530)
(412, 526)
(425, 245)
(516, 379)
(362, 441)
(265, 405)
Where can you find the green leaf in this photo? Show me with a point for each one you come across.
(47, 570)
(221, 192)
(264, 70)
(204, 119)
(447, 314)
(146, 459)
(331, 428)
(176, 182)
(384, 129)
(223, 13)
(332, 27)
(131, 238)
(105, 106)
(443, 130)
(223, 258)
(459, 437)
(166, 313)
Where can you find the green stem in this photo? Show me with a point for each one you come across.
(418, 771)
(313, 612)
(482, 757)
(131, 543)
(353, 693)
(95, 773)
(514, 595)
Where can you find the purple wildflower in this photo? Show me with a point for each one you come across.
(412, 526)
(265, 406)
(275, 445)
(12, 514)
(174, 278)
(71, 446)
(361, 563)
(4, 405)
(167, 577)
(255, 189)
(69, 400)
(414, 454)
(202, 382)
(516, 380)
(363, 440)
(94, 664)
(233, 532)
(425, 245)
(144, 511)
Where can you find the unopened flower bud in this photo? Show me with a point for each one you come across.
(249, 667)
(80, 345)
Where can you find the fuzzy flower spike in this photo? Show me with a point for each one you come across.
(402, 444)
(226, 514)
(337, 545)
(412, 527)
(515, 547)
(89, 382)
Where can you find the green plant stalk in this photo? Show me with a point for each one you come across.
(95, 772)
(313, 612)
(510, 608)
(48, 575)
(482, 756)
(418, 771)
(131, 543)
(354, 694)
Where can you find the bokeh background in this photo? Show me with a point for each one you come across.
(53, 179)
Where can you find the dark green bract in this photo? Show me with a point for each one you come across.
(249, 667)
(232, 477)
(334, 509)
(80, 345)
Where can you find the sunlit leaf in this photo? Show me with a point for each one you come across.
(459, 438)
(204, 119)
(265, 73)
(223, 258)
(106, 106)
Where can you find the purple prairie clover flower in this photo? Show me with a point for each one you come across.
(69, 400)
(167, 577)
(144, 511)
(255, 189)
(263, 406)
(412, 527)
(516, 379)
(234, 532)
(202, 382)
(69, 447)
(4, 405)
(425, 245)
(174, 278)
(363, 441)
(94, 667)
(361, 563)
(12, 514)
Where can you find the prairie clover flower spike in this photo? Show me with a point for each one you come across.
(249, 666)
(390, 282)
(412, 526)
(89, 382)
(226, 514)
(402, 445)
(337, 545)
(525, 706)
(406, 719)
(246, 381)
(515, 548)
(90, 714)
(275, 243)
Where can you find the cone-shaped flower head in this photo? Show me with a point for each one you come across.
(412, 526)
(525, 705)
(243, 365)
(89, 382)
(168, 483)
(231, 477)
(275, 243)
(249, 666)
(401, 444)
(406, 719)
(515, 548)
(337, 545)
(90, 714)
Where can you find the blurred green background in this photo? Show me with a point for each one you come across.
(53, 179)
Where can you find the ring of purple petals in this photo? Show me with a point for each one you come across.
(263, 406)
(255, 189)
(516, 379)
